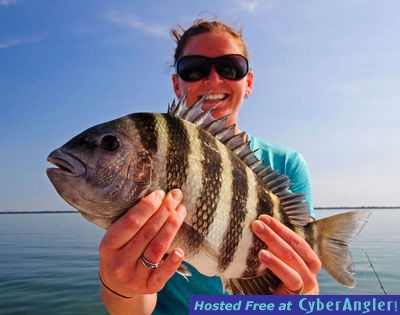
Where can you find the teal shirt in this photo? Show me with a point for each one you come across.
(174, 298)
(286, 161)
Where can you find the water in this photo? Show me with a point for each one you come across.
(380, 238)
(48, 265)
(48, 262)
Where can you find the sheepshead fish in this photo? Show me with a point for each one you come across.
(108, 168)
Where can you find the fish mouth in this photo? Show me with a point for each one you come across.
(66, 164)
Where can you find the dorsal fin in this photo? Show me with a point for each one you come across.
(292, 204)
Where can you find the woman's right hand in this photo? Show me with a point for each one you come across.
(147, 229)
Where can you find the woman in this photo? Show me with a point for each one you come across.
(132, 282)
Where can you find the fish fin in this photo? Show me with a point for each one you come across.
(184, 271)
(293, 204)
(333, 235)
(262, 285)
(226, 135)
(298, 210)
(104, 222)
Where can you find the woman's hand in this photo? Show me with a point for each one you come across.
(289, 257)
(146, 230)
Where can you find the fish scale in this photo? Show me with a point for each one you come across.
(177, 161)
(207, 203)
(237, 216)
(225, 188)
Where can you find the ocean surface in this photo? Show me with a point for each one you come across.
(48, 262)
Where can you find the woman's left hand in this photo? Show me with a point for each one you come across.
(289, 257)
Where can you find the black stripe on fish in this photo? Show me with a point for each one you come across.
(264, 206)
(206, 203)
(310, 236)
(177, 158)
(146, 124)
(237, 215)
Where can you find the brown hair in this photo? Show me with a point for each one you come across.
(201, 26)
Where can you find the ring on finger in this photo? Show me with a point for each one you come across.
(148, 264)
(296, 292)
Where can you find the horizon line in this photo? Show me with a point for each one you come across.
(316, 208)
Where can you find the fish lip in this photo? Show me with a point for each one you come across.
(66, 164)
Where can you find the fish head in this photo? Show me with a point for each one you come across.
(102, 171)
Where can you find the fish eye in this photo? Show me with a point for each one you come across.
(110, 143)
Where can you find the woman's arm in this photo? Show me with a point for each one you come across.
(147, 229)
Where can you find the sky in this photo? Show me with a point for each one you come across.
(327, 83)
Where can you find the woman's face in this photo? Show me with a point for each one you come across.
(229, 93)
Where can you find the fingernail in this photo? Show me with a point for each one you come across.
(159, 194)
(258, 226)
(181, 210)
(176, 256)
(264, 255)
(176, 194)
(264, 218)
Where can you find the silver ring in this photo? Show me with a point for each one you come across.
(148, 264)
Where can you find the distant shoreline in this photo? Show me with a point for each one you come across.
(357, 207)
(316, 208)
(38, 212)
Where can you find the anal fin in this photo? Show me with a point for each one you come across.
(262, 285)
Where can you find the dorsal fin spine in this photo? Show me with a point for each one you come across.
(240, 150)
(291, 203)
(216, 125)
(204, 119)
(225, 134)
(235, 141)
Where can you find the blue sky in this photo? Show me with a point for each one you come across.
(327, 78)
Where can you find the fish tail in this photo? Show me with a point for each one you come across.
(333, 234)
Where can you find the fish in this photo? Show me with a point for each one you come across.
(110, 167)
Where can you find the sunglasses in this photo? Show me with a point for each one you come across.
(194, 68)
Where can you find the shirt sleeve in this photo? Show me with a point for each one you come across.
(298, 172)
(286, 161)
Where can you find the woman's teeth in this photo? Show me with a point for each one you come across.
(215, 97)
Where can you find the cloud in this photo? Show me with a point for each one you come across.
(252, 6)
(19, 41)
(134, 22)
(7, 2)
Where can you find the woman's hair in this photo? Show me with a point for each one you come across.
(201, 26)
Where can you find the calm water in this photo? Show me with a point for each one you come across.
(48, 262)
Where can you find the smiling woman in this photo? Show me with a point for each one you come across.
(69, 66)
(146, 175)
(227, 93)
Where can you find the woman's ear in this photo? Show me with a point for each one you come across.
(177, 86)
(249, 82)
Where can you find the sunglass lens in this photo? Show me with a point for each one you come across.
(193, 68)
(232, 67)
(228, 72)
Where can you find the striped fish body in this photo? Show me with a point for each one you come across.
(108, 168)
(223, 197)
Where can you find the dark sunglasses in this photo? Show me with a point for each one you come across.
(194, 68)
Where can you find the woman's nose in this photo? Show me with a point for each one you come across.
(213, 77)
